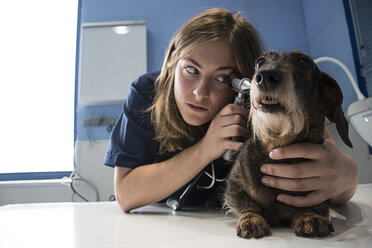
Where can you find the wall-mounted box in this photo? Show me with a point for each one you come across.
(112, 56)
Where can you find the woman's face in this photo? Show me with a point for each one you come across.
(202, 82)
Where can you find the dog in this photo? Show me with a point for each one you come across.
(289, 100)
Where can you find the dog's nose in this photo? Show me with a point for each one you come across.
(268, 79)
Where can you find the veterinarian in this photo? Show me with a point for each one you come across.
(177, 123)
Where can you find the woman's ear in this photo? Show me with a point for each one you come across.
(332, 106)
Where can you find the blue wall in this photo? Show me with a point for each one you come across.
(315, 27)
(165, 17)
(328, 35)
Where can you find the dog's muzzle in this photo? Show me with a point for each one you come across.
(268, 80)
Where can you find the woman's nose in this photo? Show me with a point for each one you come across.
(201, 89)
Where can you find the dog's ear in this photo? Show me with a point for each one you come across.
(332, 104)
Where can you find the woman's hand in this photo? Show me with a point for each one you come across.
(229, 122)
(328, 174)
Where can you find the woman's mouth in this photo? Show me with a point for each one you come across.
(196, 108)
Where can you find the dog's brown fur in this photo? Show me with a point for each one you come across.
(305, 96)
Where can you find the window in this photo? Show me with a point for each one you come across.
(38, 52)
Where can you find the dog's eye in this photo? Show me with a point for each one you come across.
(303, 62)
(260, 62)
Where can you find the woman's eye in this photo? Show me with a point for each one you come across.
(223, 79)
(260, 62)
(191, 70)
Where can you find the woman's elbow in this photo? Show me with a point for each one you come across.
(125, 199)
(124, 205)
(122, 197)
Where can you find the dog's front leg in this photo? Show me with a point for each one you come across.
(307, 223)
(252, 225)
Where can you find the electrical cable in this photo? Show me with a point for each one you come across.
(75, 179)
(76, 193)
(74, 176)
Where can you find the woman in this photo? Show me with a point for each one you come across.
(180, 122)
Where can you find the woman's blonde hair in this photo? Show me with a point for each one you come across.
(172, 132)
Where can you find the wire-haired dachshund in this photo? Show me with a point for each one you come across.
(289, 100)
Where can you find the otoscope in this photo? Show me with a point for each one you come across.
(242, 86)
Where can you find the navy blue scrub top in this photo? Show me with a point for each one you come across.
(132, 141)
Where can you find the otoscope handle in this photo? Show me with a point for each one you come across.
(228, 155)
(242, 86)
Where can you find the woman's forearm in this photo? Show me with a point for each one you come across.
(151, 183)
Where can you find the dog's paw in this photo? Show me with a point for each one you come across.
(252, 225)
(309, 224)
